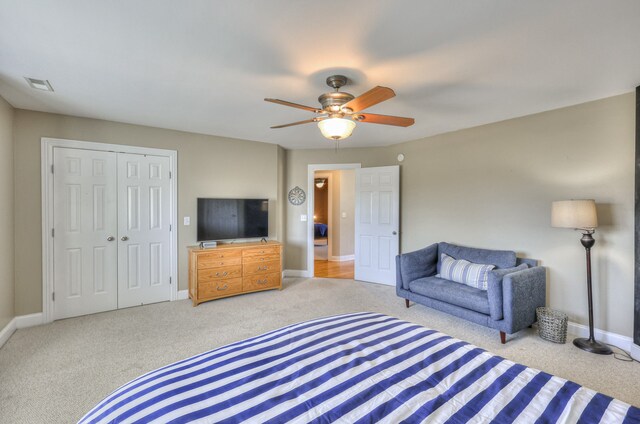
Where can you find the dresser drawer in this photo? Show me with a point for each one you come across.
(261, 281)
(260, 251)
(262, 258)
(219, 288)
(260, 267)
(219, 273)
(219, 258)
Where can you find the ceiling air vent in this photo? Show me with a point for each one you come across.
(39, 84)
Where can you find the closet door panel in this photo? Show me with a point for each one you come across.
(85, 252)
(143, 229)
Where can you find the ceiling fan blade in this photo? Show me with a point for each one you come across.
(296, 105)
(372, 97)
(373, 118)
(306, 121)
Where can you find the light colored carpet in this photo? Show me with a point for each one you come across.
(57, 372)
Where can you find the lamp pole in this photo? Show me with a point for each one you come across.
(590, 344)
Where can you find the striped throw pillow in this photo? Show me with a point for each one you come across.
(465, 272)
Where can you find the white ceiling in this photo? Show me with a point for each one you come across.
(205, 66)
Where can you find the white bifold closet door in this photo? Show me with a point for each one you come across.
(111, 245)
(144, 265)
(85, 250)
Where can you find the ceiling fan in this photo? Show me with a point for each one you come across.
(340, 111)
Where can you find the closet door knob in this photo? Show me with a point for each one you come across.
(124, 238)
(111, 238)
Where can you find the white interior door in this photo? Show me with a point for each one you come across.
(377, 224)
(85, 252)
(144, 238)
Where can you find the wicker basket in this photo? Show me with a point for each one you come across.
(552, 325)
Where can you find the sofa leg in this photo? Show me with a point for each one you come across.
(503, 337)
(406, 302)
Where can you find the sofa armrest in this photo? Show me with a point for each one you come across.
(523, 292)
(414, 265)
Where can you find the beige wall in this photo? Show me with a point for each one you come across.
(489, 186)
(347, 207)
(207, 167)
(334, 221)
(6, 214)
(492, 186)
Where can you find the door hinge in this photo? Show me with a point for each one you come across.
(53, 296)
(169, 228)
(169, 280)
(53, 232)
(169, 174)
(52, 169)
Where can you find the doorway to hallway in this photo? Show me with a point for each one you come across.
(333, 223)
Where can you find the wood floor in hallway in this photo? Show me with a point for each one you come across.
(329, 269)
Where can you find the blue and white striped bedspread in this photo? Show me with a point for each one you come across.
(355, 368)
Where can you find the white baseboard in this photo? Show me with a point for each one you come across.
(7, 331)
(635, 351)
(183, 294)
(22, 321)
(342, 258)
(31, 320)
(623, 342)
(301, 273)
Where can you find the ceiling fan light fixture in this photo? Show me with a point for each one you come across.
(336, 128)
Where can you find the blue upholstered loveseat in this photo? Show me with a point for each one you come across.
(515, 287)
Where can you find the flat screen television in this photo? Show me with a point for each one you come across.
(228, 219)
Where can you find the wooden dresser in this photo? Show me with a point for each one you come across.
(232, 269)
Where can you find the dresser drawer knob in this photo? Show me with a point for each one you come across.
(263, 282)
(224, 274)
(225, 287)
(263, 268)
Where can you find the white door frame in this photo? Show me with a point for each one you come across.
(46, 162)
(311, 171)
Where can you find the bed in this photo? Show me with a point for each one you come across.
(354, 368)
(320, 230)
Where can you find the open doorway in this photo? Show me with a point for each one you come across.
(333, 223)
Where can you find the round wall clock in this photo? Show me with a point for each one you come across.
(297, 196)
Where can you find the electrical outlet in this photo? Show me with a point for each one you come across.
(303, 218)
(187, 220)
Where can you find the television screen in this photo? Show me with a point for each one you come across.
(227, 219)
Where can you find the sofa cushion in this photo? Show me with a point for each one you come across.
(494, 289)
(451, 292)
(461, 271)
(499, 258)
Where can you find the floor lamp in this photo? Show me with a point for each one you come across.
(581, 215)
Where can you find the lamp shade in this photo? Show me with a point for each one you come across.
(336, 128)
(579, 214)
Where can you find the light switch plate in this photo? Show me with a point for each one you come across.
(303, 218)
(344, 214)
(187, 220)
